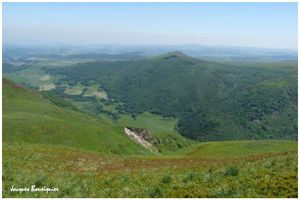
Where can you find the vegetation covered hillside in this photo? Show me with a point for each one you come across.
(212, 101)
(30, 118)
(224, 169)
(49, 144)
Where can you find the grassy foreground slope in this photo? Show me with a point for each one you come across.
(29, 118)
(86, 174)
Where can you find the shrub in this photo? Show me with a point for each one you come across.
(188, 177)
(124, 179)
(166, 179)
(207, 177)
(231, 171)
(39, 181)
(155, 192)
(270, 163)
(225, 192)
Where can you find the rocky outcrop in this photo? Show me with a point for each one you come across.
(141, 136)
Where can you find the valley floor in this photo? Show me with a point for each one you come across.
(197, 171)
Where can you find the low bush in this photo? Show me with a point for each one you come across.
(231, 171)
(166, 179)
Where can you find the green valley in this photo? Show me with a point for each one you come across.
(50, 142)
(230, 128)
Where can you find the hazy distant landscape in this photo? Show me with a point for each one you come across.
(148, 120)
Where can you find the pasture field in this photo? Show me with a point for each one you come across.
(33, 76)
(229, 149)
(161, 128)
(74, 90)
(93, 90)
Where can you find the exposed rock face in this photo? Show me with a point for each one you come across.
(141, 136)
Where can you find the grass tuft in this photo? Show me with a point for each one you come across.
(231, 171)
(166, 179)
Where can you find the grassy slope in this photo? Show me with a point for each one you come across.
(235, 149)
(85, 174)
(162, 129)
(33, 76)
(154, 122)
(28, 118)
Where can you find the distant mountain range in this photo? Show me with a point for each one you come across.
(92, 52)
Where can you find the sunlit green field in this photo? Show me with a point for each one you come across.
(229, 149)
(74, 90)
(160, 127)
(93, 90)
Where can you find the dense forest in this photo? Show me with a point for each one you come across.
(213, 101)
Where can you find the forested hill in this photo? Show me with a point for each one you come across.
(212, 101)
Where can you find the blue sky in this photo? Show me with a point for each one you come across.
(228, 24)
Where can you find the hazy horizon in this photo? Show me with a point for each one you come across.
(141, 46)
(249, 25)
